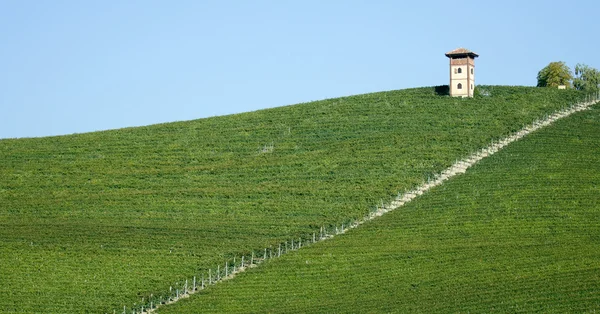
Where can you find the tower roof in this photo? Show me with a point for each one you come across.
(461, 52)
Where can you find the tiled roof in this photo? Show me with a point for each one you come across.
(461, 52)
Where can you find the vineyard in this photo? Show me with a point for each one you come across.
(100, 221)
(517, 233)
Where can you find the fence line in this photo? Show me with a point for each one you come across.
(182, 290)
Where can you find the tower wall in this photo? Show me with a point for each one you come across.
(462, 72)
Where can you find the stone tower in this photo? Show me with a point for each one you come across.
(462, 72)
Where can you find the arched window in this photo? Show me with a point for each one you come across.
(471, 70)
(471, 86)
(459, 70)
(459, 86)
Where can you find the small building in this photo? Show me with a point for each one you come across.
(462, 72)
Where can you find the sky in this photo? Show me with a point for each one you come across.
(81, 66)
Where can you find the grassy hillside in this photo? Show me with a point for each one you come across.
(92, 222)
(519, 232)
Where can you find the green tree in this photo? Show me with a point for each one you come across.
(586, 78)
(554, 75)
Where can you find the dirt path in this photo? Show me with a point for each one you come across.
(457, 168)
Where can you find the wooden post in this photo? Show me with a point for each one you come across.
(218, 272)
(209, 277)
(226, 269)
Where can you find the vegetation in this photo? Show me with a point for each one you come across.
(93, 222)
(519, 232)
(555, 74)
(586, 79)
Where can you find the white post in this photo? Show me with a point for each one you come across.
(265, 256)
(218, 273)
(300, 243)
(313, 237)
(209, 277)
(252, 260)
(279, 251)
(242, 261)
(194, 283)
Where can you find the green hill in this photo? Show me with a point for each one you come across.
(94, 222)
(519, 232)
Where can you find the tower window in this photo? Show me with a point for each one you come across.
(459, 86)
(471, 70)
(471, 86)
(459, 70)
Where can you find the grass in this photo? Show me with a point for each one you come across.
(93, 222)
(519, 232)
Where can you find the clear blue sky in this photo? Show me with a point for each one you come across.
(79, 66)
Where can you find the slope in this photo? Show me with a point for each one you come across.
(93, 222)
(519, 232)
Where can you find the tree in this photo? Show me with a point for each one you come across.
(554, 75)
(586, 79)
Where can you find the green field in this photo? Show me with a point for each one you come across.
(519, 232)
(94, 222)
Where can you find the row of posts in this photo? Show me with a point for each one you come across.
(213, 276)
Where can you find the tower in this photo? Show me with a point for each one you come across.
(462, 72)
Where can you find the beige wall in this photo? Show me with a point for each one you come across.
(466, 79)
